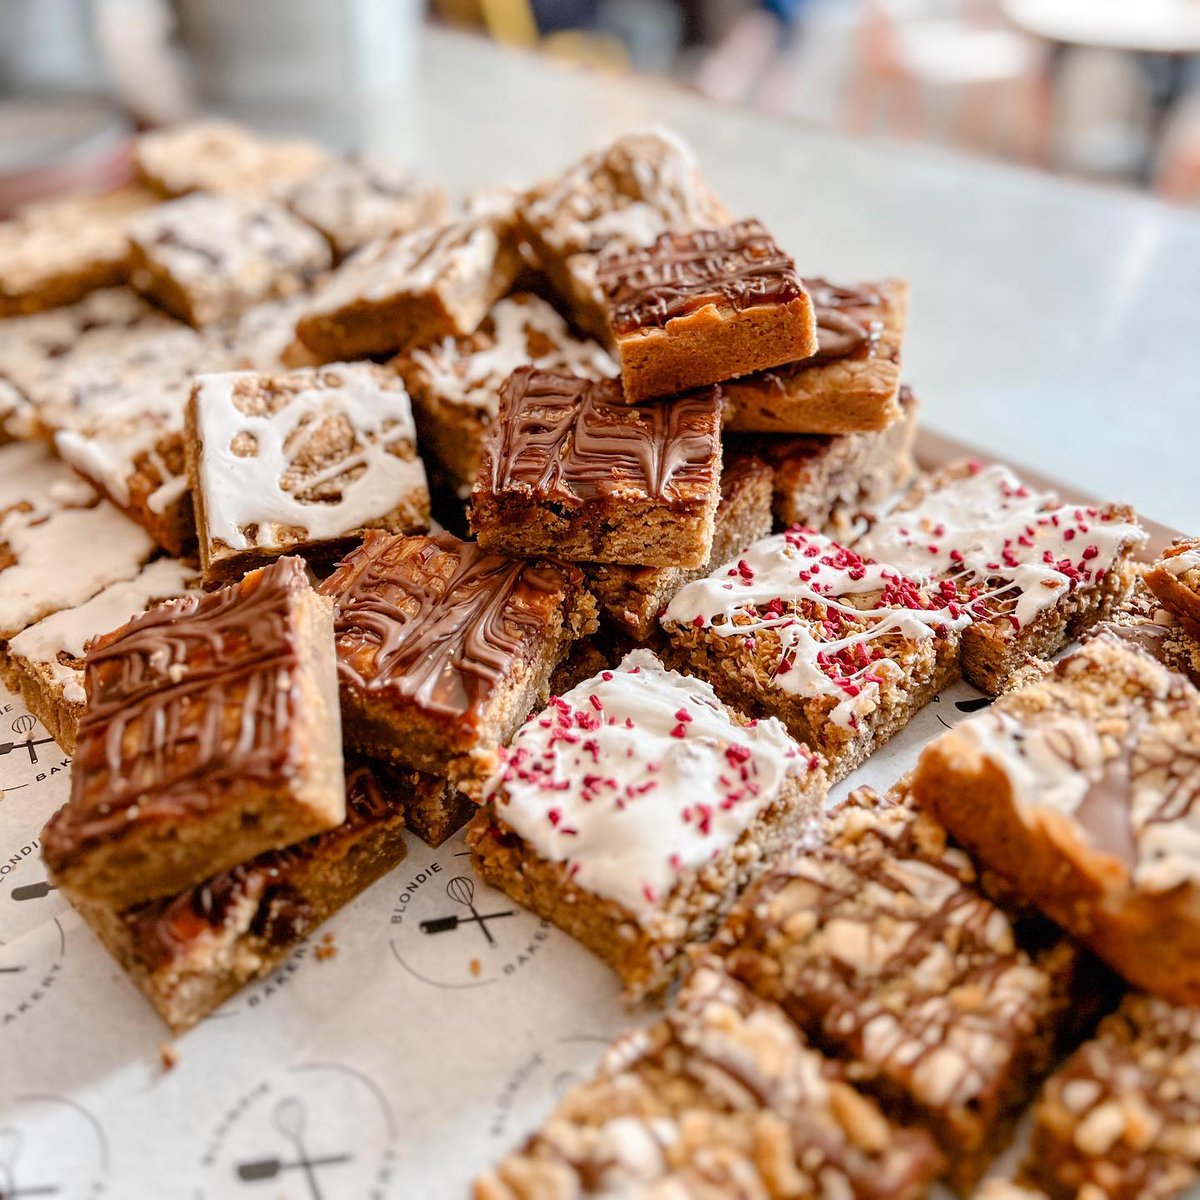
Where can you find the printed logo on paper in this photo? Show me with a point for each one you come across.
(30, 967)
(51, 1146)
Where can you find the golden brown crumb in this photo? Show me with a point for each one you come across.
(476, 966)
(326, 948)
(168, 1055)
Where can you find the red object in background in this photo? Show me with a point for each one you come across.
(56, 148)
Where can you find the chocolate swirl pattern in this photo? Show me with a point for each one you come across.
(436, 621)
(570, 440)
(842, 327)
(737, 266)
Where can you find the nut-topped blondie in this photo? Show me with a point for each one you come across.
(300, 462)
(721, 1098)
(633, 811)
(873, 936)
(850, 385)
(701, 307)
(190, 952)
(207, 257)
(1121, 1119)
(443, 648)
(1143, 622)
(211, 734)
(1033, 573)
(45, 661)
(412, 289)
(1080, 791)
(842, 649)
(571, 470)
(617, 198)
(1175, 580)
(455, 383)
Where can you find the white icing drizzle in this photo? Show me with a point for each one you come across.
(1180, 564)
(33, 484)
(66, 559)
(796, 585)
(244, 490)
(68, 631)
(411, 263)
(258, 337)
(991, 533)
(637, 775)
(471, 372)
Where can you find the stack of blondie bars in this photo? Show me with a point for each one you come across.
(581, 515)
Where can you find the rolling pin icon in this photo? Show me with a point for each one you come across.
(462, 890)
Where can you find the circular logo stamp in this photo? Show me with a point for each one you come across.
(52, 1146)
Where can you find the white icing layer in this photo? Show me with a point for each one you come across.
(990, 526)
(1181, 564)
(803, 580)
(33, 484)
(258, 487)
(66, 559)
(69, 631)
(459, 374)
(637, 775)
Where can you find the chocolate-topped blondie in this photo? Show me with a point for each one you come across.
(571, 470)
(701, 307)
(1033, 573)
(1080, 791)
(850, 385)
(721, 1098)
(443, 648)
(211, 734)
(190, 952)
(1175, 580)
(633, 811)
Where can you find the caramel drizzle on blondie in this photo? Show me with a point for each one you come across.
(188, 699)
(738, 266)
(568, 438)
(435, 620)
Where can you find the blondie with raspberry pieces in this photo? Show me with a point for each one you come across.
(875, 938)
(619, 198)
(851, 384)
(190, 952)
(1080, 790)
(443, 649)
(455, 382)
(1120, 1120)
(635, 809)
(571, 470)
(842, 649)
(721, 1098)
(1033, 573)
(701, 307)
(1175, 580)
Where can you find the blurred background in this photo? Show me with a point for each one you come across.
(1107, 90)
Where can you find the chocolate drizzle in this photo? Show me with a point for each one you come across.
(737, 266)
(437, 621)
(568, 440)
(188, 700)
(841, 332)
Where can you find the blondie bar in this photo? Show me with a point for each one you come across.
(874, 938)
(211, 734)
(618, 198)
(1121, 1119)
(571, 470)
(303, 462)
(190, 952)
(631, 598)
(633, 811)
(843, 650)
(1175, 580)
(443, 649)
(850, 385)
(701, 307)
(455, 383)
(353, 201)
(1143, 622)
(45, 661)
(828, 481)
(1078, 790)
(205, 257)
(410, 290)
(721, 1098)
(1033, 573)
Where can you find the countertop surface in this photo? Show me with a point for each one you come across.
(1054, 323)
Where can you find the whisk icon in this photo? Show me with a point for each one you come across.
(461, 889)
(10, 1151)
(290, 1120)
